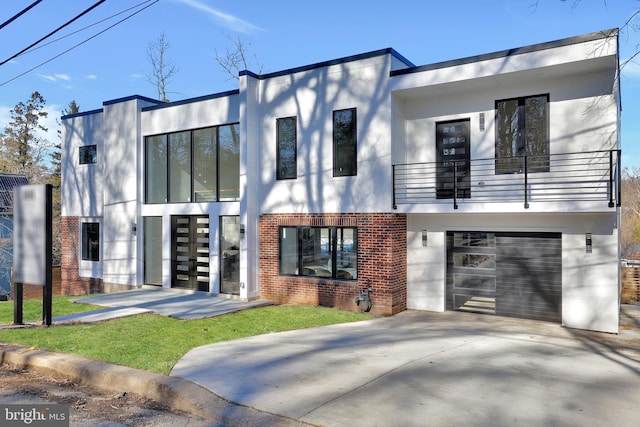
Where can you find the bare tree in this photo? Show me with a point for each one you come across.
(162, 68)
(630, 229)
(235, 60)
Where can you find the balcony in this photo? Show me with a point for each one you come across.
(568, 177)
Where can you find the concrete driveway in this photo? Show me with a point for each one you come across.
(439, 369)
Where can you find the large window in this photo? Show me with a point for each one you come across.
(91, 241)
(88, 154)
(202, 165)
(522, 134)
(330, 252)
(286, 163)
(345, 149)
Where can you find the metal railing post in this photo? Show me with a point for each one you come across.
(526, 184)
(619, 170)
(611, 204)
(393, 183)
(455, 184)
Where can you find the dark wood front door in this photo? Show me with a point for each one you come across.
(190, 252)
(452, 155)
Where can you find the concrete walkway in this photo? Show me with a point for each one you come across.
(440, 369)
(178, 304)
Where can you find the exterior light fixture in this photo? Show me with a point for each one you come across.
(424, 238)
(242, 231)
(588, 242)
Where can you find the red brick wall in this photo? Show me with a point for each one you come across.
(382, 263)
(71, 282)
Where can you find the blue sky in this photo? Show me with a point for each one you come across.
(281, 34)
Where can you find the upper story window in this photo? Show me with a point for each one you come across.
(329, 252)
(91, 241)
(200, 165)
(522, 134)
(345, 148)
(286, 154)
(88, 154)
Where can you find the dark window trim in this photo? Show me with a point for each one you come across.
(82, 159)
(522, 126)
(279, 175)
(168, 163)
(354, 171)
(334, 250)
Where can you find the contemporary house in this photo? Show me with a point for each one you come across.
(8, 181)
(487, 184)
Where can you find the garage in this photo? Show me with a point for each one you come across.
(510, 274)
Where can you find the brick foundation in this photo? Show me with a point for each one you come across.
(71, 282)
(382, 263)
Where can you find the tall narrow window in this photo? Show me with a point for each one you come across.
(156, 169)
(522, 134)
(345, 149)
(289, 250)
(180, 167)
(88, 154)
(153, 250)
(286, 160)
(229, 141)
(204, 164)
(91, 241)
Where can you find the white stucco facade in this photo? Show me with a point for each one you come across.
(398, 109)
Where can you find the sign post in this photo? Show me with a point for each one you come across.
(32, 246)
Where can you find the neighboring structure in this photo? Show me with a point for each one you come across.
(484, 184)
(8, 182)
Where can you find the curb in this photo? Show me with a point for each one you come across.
(174, 392)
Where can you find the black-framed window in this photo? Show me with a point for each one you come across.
(286, 150)
(91, 241)
(522, 132)
(329, 252)
(201, 165)
(88, 154)
(345, 145)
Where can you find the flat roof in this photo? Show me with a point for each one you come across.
(510, 52)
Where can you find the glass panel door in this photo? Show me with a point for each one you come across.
(190, 252)
(230, 255)
(452, 155)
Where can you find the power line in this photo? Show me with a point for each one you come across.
(78, 44)
(53, 32)
(19, 14)
(84, 28)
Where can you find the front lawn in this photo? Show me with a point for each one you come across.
(155, 343)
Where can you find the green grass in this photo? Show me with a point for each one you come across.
(32, 309)
(155, 343)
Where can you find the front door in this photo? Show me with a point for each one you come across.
(452, 155)
(190, 252)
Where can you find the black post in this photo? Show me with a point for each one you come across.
(17, 304)
(47, 293)
(393, 184)
(526, 184)
(611, 204)
(455, 184)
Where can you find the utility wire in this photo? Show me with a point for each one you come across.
(19, 14)
(53, 32)
(84, 28)
(78, 44)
